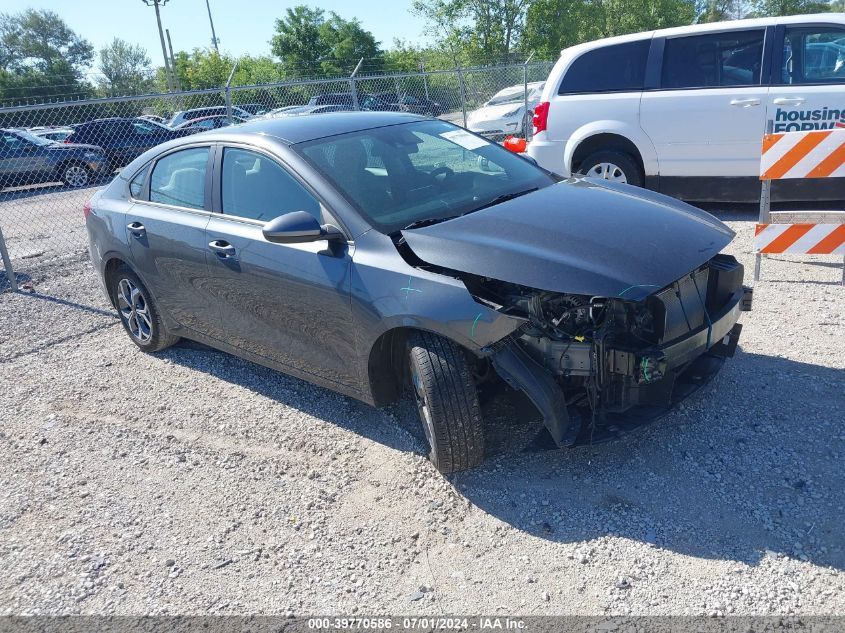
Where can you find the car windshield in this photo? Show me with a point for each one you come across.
(32, 138)
(421, 172)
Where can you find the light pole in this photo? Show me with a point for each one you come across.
(211, 22)
(167, 69)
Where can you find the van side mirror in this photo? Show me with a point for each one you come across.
(297, 227)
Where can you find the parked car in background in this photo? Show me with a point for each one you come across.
(306, 109)
(242, 238)
(196, 113)
(124, 139)
(366, 102)
(210, 123)
(411, 103)
(505, 114)
(154, 118)
(57, 134)
(255, 109)
(684, 110)
(27, 159)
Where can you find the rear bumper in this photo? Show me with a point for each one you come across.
(549, 155)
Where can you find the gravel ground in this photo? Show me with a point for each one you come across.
(192, 482)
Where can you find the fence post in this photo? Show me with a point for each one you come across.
(229, 93)
(765, 208)
(463, 94)
(425, 80)
(352, 87)
(7, 263)
(525, 129)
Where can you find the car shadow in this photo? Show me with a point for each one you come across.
(750, 466)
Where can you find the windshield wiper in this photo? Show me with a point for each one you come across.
(503, 198)
(418, 224)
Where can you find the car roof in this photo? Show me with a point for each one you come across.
(292, 130)
(711, 27)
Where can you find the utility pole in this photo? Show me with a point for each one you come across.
(173, 61)
(167, 68)
(213, 34)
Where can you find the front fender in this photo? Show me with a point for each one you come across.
(632, 133)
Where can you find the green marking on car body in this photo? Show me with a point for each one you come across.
(637, 286)
(474, 323)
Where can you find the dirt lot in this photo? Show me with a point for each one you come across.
(193, 482)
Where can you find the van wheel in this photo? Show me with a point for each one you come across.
(612, 165)
(447, 402)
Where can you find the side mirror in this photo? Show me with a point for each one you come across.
(297, 227)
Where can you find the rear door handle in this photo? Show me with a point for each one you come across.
(789, 101)
(745, 103)
(222, 248)
(137, 229)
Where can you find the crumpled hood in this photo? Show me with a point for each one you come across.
(580, 236)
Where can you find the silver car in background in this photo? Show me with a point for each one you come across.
(504, 114)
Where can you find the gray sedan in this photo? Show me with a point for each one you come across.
(382, 253)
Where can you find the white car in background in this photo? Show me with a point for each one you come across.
(683, 110)
(504, 113)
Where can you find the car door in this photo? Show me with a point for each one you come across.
(705, 112)
(166, 233)
(808, 78)
(289, 303)
(18, 162)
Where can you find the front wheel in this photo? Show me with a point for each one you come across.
(612, 165)
(76, 175)
(447, 402)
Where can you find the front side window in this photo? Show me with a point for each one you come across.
(258, 188)
(813, 56)
(400, 175)
(713, 60)
(178, 179)
(615, 68)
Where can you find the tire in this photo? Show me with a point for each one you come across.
(138, 312)
(447, 402)
(615, 165)
(75, 175)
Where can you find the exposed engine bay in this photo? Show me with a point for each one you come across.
(591, 357)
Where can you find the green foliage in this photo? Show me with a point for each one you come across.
(125, 69)
(308, 43)
(789, 7)
(40, 56)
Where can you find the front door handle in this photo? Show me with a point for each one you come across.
(745, 103)
(137, 229)
(222, 248)
(789, 101)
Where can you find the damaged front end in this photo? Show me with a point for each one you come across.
(596, 367)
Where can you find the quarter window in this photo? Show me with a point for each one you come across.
(137, 184)
(616, 68)
(713, 60)
(179, 178)
(258, 188)
(813, 56)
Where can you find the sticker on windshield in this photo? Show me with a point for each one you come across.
(464, 139)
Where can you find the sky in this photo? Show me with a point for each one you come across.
(242, 26)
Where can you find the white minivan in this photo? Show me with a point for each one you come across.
(683, 110)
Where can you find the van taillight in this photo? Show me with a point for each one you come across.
(541, 116)
(87, 208)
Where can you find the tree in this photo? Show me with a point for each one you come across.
(308, 43)
(40, 56)
(125, 69)
(789, 7)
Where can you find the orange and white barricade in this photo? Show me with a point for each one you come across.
(813, 154)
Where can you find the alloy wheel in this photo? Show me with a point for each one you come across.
(135, 310)
(607, 171)
(76, 176)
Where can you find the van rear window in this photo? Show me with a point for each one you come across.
(614, 68)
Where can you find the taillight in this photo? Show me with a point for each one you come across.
(87, 208)
(67, 141)
(541, 116)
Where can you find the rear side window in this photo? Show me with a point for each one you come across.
(178, 179)
(136, 187)
(258, 188)
(813, 56)
(713, 60)
(616, 68)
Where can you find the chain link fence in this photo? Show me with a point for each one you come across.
(54, 156)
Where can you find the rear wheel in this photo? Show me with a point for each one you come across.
(76, 175)
(447, 402)
(138, 312)
(613, 165)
